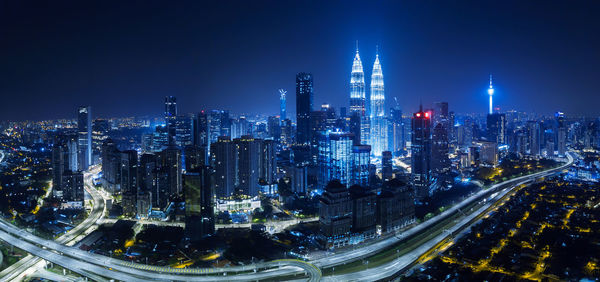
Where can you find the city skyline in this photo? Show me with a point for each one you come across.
(306, 141)
(421, 46)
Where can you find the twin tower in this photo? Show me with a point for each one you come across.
(371, 123)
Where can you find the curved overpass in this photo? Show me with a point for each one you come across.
(27, 265)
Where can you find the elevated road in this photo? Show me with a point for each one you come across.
(30, 263)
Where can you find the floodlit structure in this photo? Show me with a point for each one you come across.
(282, 105)
(379, 128)
(491, 93)
(358, 99)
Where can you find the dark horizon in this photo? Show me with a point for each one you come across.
(122, 59)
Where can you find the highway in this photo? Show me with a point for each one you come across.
(92, 265)
(403, 262)
(30, 264)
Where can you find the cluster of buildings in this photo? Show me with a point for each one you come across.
(71, 155)
(212, 159)
(350, 215)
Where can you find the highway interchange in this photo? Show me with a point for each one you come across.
(99, 267)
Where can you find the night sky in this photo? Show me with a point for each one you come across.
(123, 57)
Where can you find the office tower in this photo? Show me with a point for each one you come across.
(386, 166)
(184, 130)
(335, 215)
(274, 128)
(223, 160)
(147, 173)
(421, 153)
(160, 138)
(323, 160)
(451, 129)
(491, 93)
(396, 136)
(496, 128)
(561, 134)
(534, 135)
(161, 198)
(282, 105)
(304, 105)
(268, 162)
(64, 158)
(214, 126)
(439, 148)
(358, 99)
(169, 161)
(299, 179)
(395, 206)
(128, 171)
(84, 129)
(111, 166)
(361, 160)
(225, 124)
(72, 187)
(201, 129)
(318, 122)
(248, 165)
(58, 166)
(194, 156)
(199, 203)
(143, 204)
(440, 114)
(379, 127)
(287, 133)
(519, 141)
(354, 125)
(171, 117)
(340, 160)
(488, 152)
(364, 211)
(343, 112)
(100, 129)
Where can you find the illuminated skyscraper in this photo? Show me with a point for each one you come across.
(198, 189)
(223, 160)
(379, 128)
(171, 116)
(84, 129)
(282, 105)
(358, 99)
(421, 153)
(340, 162)
(561, 134)
(304, 105)
(361, 159)
(496, 128)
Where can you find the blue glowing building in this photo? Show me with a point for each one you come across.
(379, 127)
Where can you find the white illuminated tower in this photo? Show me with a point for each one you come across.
(358, 97)
(491, 93)
(379, 131)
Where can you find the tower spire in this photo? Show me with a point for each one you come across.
(356, 46)
(491, 93)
